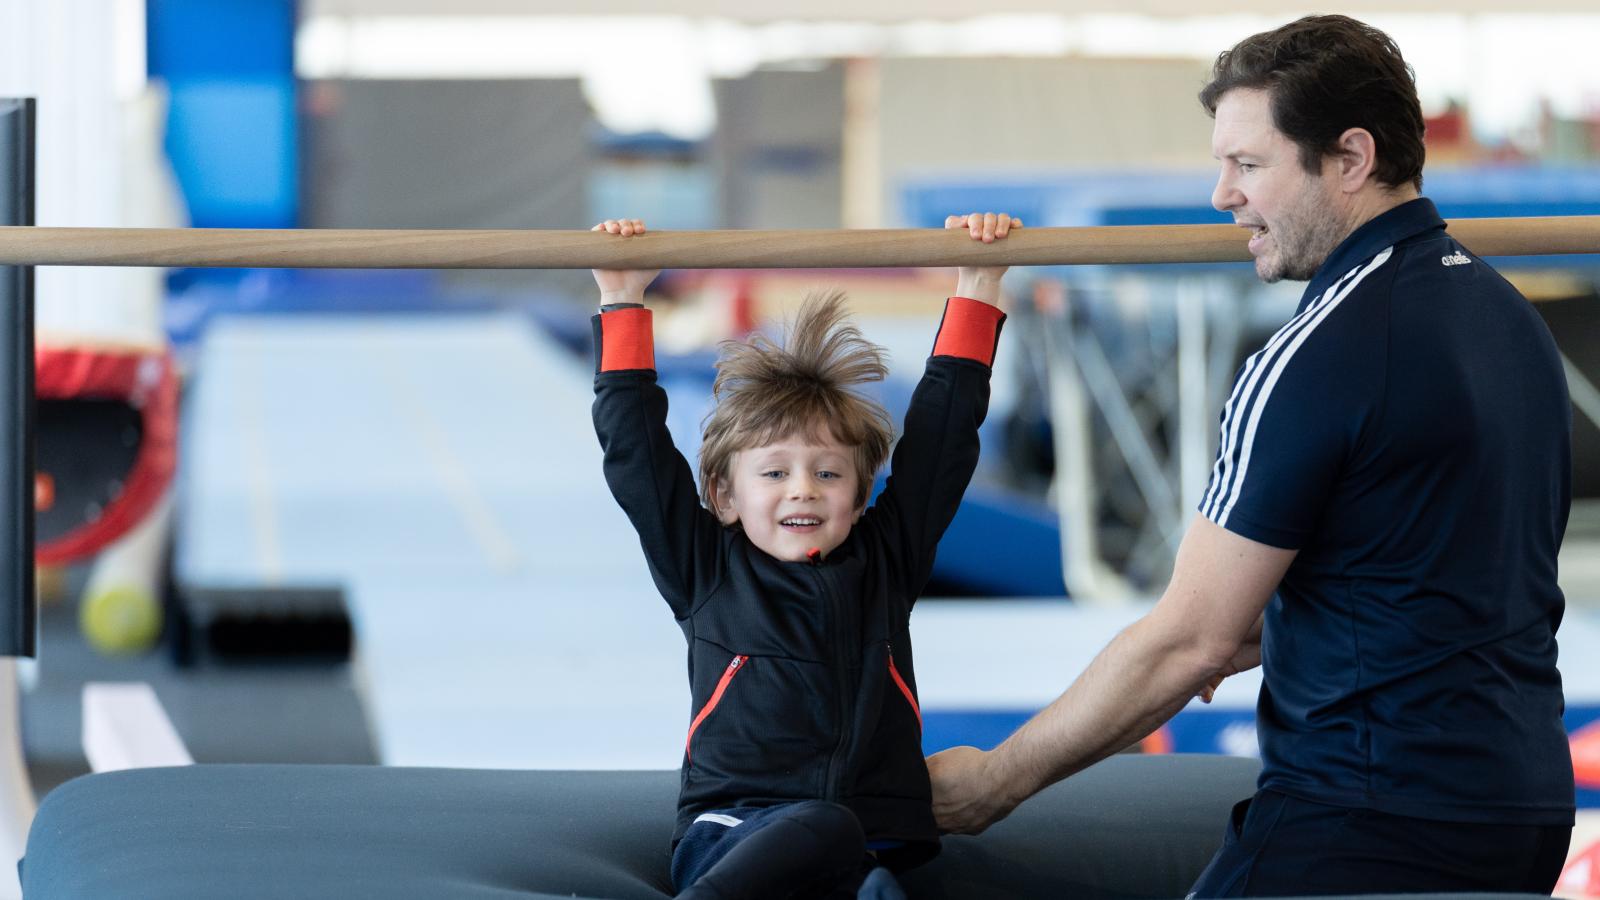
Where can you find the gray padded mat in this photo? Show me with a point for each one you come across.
(1130, 827)
(1133, 826)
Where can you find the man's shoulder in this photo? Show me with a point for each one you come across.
(1437, 255)
(1440, 270)
(1333, 351)
(1428, 266)
(1349, 314)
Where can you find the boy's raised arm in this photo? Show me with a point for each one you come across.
(647, 475)
(938, 449)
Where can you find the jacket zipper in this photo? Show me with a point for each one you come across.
(905, 689)
(841, 665)
(733, 668)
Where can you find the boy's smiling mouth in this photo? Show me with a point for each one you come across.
(800, 523)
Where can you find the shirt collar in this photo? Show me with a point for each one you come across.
(1407, 220)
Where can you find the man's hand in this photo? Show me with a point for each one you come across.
(982, 282)
(622, 285)
(965, 799)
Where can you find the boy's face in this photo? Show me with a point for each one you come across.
(792, 495)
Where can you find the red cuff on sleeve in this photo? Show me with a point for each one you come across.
(626, 340)
(969, 330)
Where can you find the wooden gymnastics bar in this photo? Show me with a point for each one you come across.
(551, 249)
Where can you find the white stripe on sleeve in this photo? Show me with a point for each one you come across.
(1276, 371)
(1228, 438)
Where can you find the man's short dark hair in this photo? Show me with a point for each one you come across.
(1324, 75)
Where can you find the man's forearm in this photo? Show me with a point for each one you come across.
(1202, 626)
(1137, 683)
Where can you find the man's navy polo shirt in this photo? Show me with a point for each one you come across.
(1409, 433)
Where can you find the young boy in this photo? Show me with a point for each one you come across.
(803, 773)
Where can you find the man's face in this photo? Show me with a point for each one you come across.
(792, 495)
(1295, 217)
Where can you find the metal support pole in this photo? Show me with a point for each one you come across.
(1194, 424)
(17, 604)
(1087, 577)
(17, 612)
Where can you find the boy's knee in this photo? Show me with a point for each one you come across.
(831, 821)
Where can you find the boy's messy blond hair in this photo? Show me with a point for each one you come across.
(766, 392)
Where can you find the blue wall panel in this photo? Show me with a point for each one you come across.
(231, 131)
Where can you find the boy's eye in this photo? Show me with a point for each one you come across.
(772, 474)
(826, 475)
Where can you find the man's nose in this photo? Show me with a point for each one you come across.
(1225, 196)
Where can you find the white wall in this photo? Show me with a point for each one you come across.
(995, 115)
(99, 161)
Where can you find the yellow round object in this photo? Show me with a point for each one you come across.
(121, 620)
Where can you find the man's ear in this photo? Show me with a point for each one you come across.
(1356, 154)
(722, 502)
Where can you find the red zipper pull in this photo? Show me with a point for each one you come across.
(814, 555)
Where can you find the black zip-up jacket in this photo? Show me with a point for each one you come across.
(800, 672)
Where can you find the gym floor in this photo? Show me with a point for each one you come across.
(260, 712)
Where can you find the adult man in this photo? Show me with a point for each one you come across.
(1380, 531)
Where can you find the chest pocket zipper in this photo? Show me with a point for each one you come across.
(905, 689)
(733, 668)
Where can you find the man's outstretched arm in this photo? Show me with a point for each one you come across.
(1202, 626)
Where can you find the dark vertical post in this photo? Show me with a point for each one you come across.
(17, 602)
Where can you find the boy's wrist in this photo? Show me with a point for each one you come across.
(979, 286)
(612, 298)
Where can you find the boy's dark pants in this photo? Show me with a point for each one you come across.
(1280, 846)
(807, 849)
